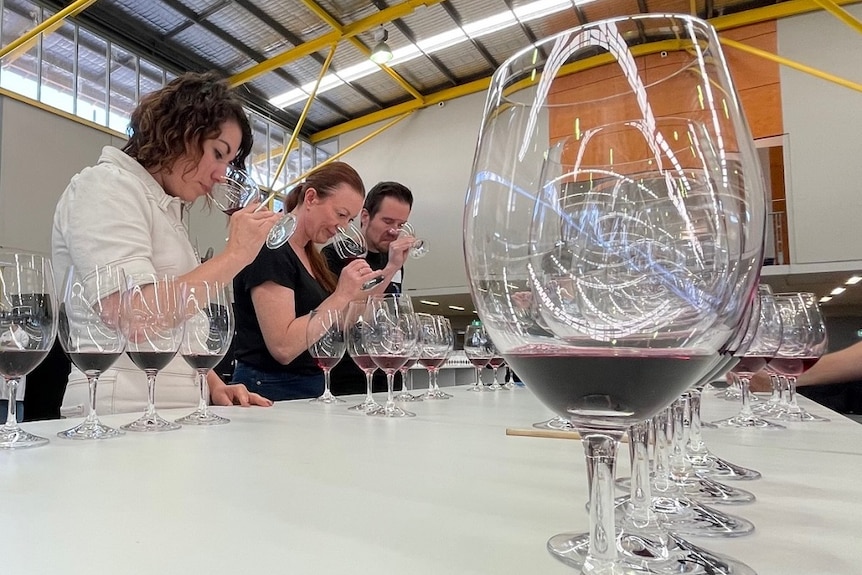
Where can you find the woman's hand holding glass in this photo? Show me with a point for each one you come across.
(419, 247)
(91, 335)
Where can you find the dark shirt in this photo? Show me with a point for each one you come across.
(283, 267)
(346, 377)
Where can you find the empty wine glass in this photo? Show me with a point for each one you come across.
(327, 343)
(617, 217)
(419, 249)
(28, 328)
(153, 322)
(390, 340)
(90, 333)
(354, 324)
(349, 243)
(436, 342)
(209, 325)
(238, 189)
(477, 351)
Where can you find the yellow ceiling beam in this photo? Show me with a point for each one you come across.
(792, 64)
(757, 15)
(333, 37)
(47, 26)
(363, 49)
(840, 13)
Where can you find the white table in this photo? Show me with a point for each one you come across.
(302, 488)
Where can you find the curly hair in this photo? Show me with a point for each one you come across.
(174, 122)
(324, 180)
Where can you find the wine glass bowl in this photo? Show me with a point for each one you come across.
(327, 342)
(349, 244)
(355, 324)
(478, 352)
(436, 341)
(90, 333)
(236, 190)
(28, 329)
(420, 247)
(209, 325)
(613, 231)
(153, 322)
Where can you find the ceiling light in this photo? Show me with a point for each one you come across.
(456, 307)
(838, 291)
(381, 53)
(853, 280)
(429, 302)
(825, 298)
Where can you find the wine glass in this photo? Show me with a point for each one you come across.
(355, 323)
(760, 344)
(477, 351)
(436, 342)
(238, 189)
(613, 233)
(327, 342)
(803, 342)
(91, 335)
(209, 326)
(404, 370)
(153, 322)
(495, 363)
(390, 340)
(349, 244)
(28, 328)
(420, 248)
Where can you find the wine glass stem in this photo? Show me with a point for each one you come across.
(369, 385)
(679, 469)
(791, 394)
(12, 409)
(151, 392)
(390, 389)
(326, 392)
(92, 383)
(478, 377)
(745, 385)
(432, 381)
(203, 402)
(640, 491)
(696, 447)
(601, 450)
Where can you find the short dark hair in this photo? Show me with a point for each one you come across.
(175, 120)
(382, 190)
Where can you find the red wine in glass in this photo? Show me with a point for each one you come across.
(15, 363)
(89, 361)
(151, 360)
(202, 360)
(327, 363)
(496, 362)
(749, 365)
(364, 362)
(609, 388)
(387, 362)
(432, 362)
(479, 362)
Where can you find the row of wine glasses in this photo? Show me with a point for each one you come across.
(101, 314)
(482, 353)
(380, 333)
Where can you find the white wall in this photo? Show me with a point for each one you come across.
(39, 154)
(430, 152)
(824, 126)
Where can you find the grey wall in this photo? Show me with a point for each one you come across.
(823, 122)
(39, 153)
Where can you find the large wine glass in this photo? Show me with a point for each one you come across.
(238, 189)
(327, 342)
(349, 243)
(208, 312)
(355, 323)
(153, 321)
(613, 231)
(390, 340)
(28, 328)
(91, 334)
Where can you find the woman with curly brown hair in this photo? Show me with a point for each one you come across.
(127, 211)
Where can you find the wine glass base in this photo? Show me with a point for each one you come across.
(202, 417)
(407, 397)
(326, 399)
(707, 490)
(686, 517)
(90, 430)
(747, 422)
(368, 405)
(479, 388)
(718, 468)
(556, 424)
(390, 411)
(149, 423)
(434, 395)
(797, 416)
(17, 438)
(639, 554)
